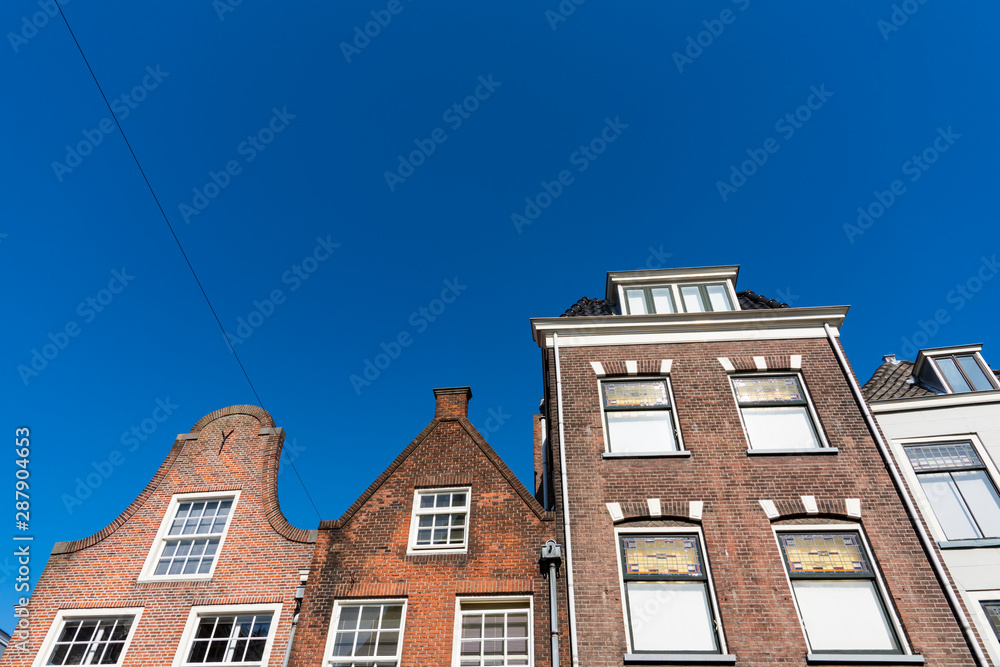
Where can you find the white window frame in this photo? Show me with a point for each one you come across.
(64, 615)
(331, 637)
(962, 352)
(675, 422)
(974, 600)
(887, 602)
(198, 612)
(149, 567)
(824, 444)
(913, 481)
(415, 512)
(456, 658)
(675, 294)
(720, 632)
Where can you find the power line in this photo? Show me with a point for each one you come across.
(177, 240)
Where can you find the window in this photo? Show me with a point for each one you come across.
(954, 479)
(963, 373)
(669, 604)
(366, 634)
(838, 596)
(440, 520)
(776, 412)
(191, 536)
(89, 637)
(705, 298)
(228, 635)
(494, 632)
(664, 298)
(638, 416)
(992, 610)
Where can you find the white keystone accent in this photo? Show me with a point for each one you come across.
(853, 507)
(769, 509)
(761, 363)
(598, 368)
(796, 361)
(810, 503)
(615, 510)
(632, 367)
(665, 365)
(654, 507)
(696, 509)
(728, 365)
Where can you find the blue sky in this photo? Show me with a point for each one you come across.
(647, 134)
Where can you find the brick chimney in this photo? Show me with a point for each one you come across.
(452, 402)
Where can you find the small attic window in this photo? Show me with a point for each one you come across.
(964, 373)
(691, 298)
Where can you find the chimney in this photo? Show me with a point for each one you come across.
(889, 359)
(452, 402)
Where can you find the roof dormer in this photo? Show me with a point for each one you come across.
(954, 370)
(665, 291)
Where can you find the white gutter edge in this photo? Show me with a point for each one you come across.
(574, 652)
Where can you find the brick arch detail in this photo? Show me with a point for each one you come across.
(258, 413)
(636, 510)
(829, 508)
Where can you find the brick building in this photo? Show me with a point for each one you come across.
(445, 543)
(202, 566)
(720, 490)
(941, 417)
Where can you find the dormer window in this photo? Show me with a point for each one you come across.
(963, 372)
(698, 298)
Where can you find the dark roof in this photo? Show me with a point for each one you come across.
(587, 307)
(752, 301)
(894, 380)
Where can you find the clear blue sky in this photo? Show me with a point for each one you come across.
(679, 113)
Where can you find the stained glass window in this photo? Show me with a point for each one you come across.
(776, 413)
(944, 456)
(638, 417)
(661, 556)
(784, 389)
(824, 553)
(647, 394)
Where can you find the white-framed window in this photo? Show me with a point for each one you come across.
(668, 599)
(494, 631)
(839, 594)
(190, 538)
(777, 412)
(89, 637)
(957, 485)
(639, 416)
(965, 372)
(366, 633)
(677, 298)
(221, 635)
(440, 520)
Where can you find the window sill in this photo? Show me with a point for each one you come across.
(792, 452)
(867, 658)
(709, 658)
(646, 455)
(968, 544)
(168, 579)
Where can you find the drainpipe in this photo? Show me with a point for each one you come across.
(300, 593)
(543, 424)
(574, 653)
(925, 539)
(552, 557)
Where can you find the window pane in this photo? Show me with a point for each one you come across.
(843, 616)
(954, 377)
(652, 393)
(824, 553)
(718, 297)
(636, 301)
(948, 506)
(641, 431)
(943, 456)
(661, 555)
(780, 428)
(692, 299)
(663, 300)
(670, 616)
(975, 372)
(992, 609)
(981, 498)
(768, 389)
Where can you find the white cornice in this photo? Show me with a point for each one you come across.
(688, 327)
(934, 402)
